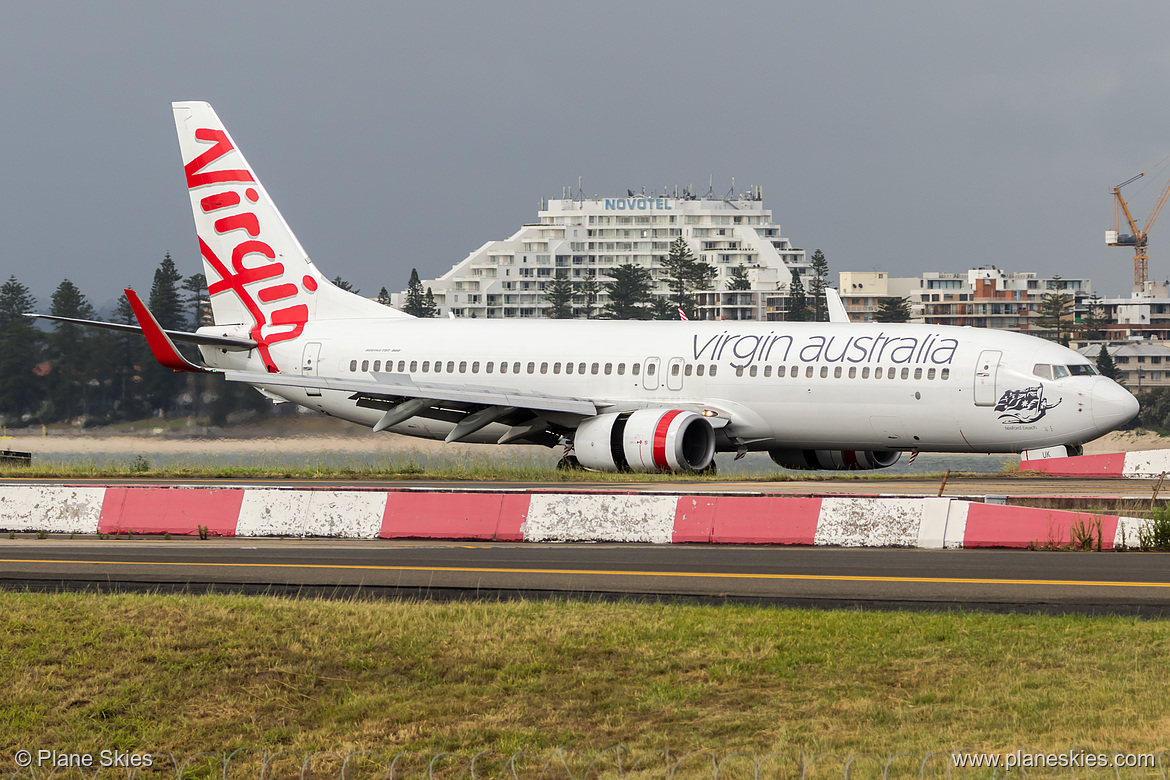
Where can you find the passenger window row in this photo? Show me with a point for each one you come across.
(853, 373)
(689, 369)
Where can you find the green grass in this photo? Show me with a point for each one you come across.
(217, 673)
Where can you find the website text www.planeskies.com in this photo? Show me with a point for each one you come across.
(1074, 759)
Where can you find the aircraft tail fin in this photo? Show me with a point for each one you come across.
(258, 274)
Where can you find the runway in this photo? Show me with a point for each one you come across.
(998, 580)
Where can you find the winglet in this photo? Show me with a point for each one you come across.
(161, 346)
(837, 312)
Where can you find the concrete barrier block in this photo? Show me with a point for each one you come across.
(600, 518)
(273, 512)
(1146, 464)
(174, 510)
(870, 522)
(52, 508)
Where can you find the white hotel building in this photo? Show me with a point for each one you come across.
(507, 278)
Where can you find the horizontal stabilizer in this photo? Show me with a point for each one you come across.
(206, 340)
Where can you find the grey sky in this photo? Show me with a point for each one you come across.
(907, 136)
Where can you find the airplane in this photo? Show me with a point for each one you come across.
(617, 395)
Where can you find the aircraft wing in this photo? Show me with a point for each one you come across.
(397, 387)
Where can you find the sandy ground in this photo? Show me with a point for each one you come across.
(322, 436)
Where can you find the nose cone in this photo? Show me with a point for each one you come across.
(1113, 406)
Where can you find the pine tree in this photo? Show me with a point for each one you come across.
(558, 294)
(630, 297)
(797, 302)
(1095, 318)
(738, 279)
(686, 275)
(344, 285)
(430, 308)
(166, 303)
(416, 297)
(588, 290)
(1054, 311)
(1106, 365)
(818, 281)
(893, 310)
(160, 384)
(195, 286)
(70, 353)
(383, 297)
(19, 342)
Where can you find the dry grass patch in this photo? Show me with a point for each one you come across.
(187, 674)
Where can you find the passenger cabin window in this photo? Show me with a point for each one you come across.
(650, 369)
(752, 371)
(451, 367)
(402, 366)
(516, 368)
(365, 366)
(621, 369)
(377, 366)
(353, 365)
(463, 367)
(426, 365)
(531, 367)
(593, 368)
(713, 369)
(634, 368)
(946, 373)
(413, 366)
(544, 368)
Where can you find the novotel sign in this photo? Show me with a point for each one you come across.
(638, 204)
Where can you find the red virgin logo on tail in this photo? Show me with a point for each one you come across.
(253, 261)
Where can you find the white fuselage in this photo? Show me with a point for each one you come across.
(781, 385)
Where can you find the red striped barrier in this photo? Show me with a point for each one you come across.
(514, 516)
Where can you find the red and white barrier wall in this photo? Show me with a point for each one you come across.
(1133, 465)
(931, 523)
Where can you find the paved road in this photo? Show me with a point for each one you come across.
(1000, 580)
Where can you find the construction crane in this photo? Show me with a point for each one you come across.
(1138, 237)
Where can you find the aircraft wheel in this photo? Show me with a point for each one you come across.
(569, 463)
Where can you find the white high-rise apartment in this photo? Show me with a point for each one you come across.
(574, 235)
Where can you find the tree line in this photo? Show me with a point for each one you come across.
(65, 372)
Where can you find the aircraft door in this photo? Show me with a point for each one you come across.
(986, 373)
(674, 374)
(309, 361)
(650, 374)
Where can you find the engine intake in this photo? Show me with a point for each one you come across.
(834, 460)
(645, 440)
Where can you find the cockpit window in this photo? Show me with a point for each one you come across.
(1046, 371)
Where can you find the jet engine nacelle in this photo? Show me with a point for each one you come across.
(834, 460)
(645, 440)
